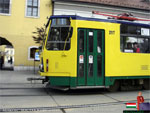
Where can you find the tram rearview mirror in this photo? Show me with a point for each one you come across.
(40, 47)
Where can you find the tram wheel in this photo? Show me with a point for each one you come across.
(146, 84)
(114, 87)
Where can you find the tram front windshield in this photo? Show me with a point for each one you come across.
(59, 35)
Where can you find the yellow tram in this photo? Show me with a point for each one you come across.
(84, 52)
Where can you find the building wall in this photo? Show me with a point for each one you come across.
(17, 28)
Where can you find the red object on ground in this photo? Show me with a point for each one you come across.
(140, 100)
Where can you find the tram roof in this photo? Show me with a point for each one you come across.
(74, 17)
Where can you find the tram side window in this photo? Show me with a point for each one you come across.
(59, 38)
(81, 41)
(91, 41)
(135, 45)
(128, 29)
(99, 41)
(135, 39)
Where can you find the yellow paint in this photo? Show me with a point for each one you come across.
(62, 63)
(17, 28)
(124, 64)
(116, 62)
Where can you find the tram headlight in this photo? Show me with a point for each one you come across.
(41, 66)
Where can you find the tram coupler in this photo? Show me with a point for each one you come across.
(42, 79)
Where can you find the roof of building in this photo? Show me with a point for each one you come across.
(138, 4)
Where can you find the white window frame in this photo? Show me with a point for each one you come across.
(10, 6)
(30, 52)
(38, 10)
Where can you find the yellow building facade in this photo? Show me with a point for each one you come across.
(18, 20)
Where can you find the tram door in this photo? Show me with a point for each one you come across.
(90, 57)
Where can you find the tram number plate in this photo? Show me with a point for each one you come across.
(145, 32)
(81, 59)
(90, 59)
(90, 33)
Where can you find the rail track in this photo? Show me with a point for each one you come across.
(51, 93)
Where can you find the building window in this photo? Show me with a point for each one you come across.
(5, 6)
(32, 8)
(135, 39)
(31, 52)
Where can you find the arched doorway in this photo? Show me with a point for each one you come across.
(6, 54)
